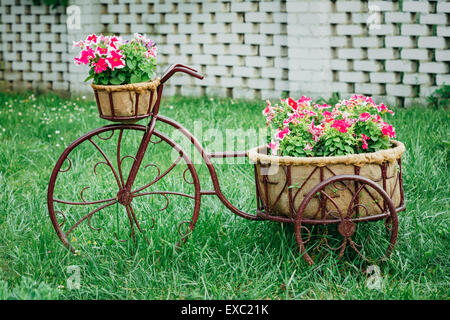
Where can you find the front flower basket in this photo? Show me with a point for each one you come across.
(283, 182)
(126, 103)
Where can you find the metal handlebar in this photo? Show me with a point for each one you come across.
(180, 68)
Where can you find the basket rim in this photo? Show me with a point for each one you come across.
(377, 157)
(140, 86)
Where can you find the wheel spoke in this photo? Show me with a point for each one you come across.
(164, 192)
(84, 203)
(89, 215)
(159, 176)
(107, 162)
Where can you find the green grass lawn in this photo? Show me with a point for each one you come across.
(226, 257)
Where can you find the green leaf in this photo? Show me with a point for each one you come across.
(104, 81)
(131, 64)
(145, 78)
(115, 81)
(122, 77)
(297, 185)
(89, 78)
(135, 78)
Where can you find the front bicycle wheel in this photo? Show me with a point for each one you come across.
(87, 189)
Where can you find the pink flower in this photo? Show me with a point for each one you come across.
(287, 121)
(273, 146)
(364, 116)
(292, 103)
(280, 134)
(322, 106)
(308, 147)
(100, 66)
(388, 130)
(310, 113)
(268, 108)
(340, 125)
(293, 118)
(101, 50)
(349, 103)
(328, 116)
(369, 100)
(85, 56)
(377, 118)
(78, 44)
(383, 109)
(303, 99)
(92, 38)
(152, 52)
(356, 97)
(316, 131)
(112, 42)
(115, 60)
(299, 114)
(336, 112)
(364, 142)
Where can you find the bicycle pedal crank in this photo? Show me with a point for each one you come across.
(124, 197)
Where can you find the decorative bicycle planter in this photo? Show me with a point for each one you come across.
(330, 192)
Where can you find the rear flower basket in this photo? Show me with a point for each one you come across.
(127, 102)
(309, 144)
(276, 176)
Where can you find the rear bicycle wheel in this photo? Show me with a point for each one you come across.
(371, 238)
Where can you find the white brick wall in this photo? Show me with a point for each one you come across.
(397, 51)
(405, 48)
(32, 47)
(309, 49)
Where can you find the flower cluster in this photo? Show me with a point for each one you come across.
(302, 128)
(115, 61)
(100, 52)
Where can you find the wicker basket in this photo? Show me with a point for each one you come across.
(126, 103)
(306, 172)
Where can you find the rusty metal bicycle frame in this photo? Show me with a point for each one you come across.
(124, 194)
